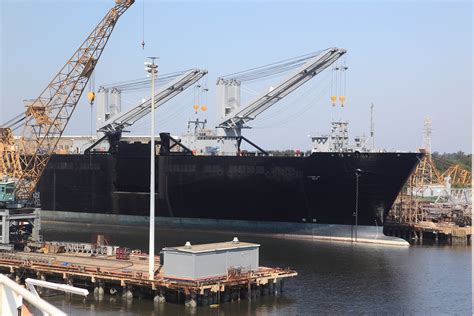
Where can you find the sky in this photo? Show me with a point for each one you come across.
(410, 59)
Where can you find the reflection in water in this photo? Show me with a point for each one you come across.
(334, 278)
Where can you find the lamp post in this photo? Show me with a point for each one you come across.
(152, 70)
(358, 173)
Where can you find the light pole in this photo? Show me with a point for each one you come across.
(358, 173)
(152, 70)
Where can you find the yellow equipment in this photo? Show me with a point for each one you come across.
(91, 97)
(342, 99)
(47, 116)
(459, 176)
(426, 172)
(10, 165)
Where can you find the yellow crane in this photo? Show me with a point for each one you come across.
(426, 172)
(45, 119)
(459, 176)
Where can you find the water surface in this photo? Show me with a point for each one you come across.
(334, 278)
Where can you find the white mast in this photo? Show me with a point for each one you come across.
(372, 128)
(152, 70)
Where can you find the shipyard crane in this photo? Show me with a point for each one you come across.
(235, 120)
(113, 127)
(47, 116)
(459, 176)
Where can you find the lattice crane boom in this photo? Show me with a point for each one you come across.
(47, 117)
(459, 176)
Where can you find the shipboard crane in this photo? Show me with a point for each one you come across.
(113, 127)
(234, 121)
(48, 115)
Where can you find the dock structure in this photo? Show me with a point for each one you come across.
(445, 219)
(107, 274)
(12, 223)
(438, 232)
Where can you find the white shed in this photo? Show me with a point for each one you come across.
(195, 262)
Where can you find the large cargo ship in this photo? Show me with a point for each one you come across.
(205, 179)
(262, 193)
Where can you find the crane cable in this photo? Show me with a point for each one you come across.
(206, 91)
(130, 85)
(314, 95)
(143, 24)
(338, 84)
(14, 121)
(91, 97)
(334, 81)
(305, 94)
(169, 113)
(204, 97)
(342, 89)
(197, 100)
(142, 83)
(272, 68)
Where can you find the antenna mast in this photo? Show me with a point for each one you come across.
(427, 135)
(372, 128)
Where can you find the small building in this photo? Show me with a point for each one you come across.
(196, 262)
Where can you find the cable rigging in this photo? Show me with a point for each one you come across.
(272, 69)
(143, 83)
(91, 98)
(338, 84)
(143, 24)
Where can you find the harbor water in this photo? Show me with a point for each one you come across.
(334, 277)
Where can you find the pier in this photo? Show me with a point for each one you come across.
(129, 278)
(436, 212)
(438, 232)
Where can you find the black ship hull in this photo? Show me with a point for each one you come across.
(318, 189)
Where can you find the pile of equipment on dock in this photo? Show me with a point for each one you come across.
(447, 218)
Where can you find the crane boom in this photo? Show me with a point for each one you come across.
(47, 117)
(116, 124)
(236, 119)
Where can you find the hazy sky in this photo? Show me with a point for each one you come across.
(411, 59)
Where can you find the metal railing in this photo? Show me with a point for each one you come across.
(12, 295)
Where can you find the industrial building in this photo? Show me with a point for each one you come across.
(205, 261)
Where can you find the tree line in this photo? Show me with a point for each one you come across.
(445, 160)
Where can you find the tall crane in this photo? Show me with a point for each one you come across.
(235, 120)
(47, 116)
(232, 117)
(113, 127)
